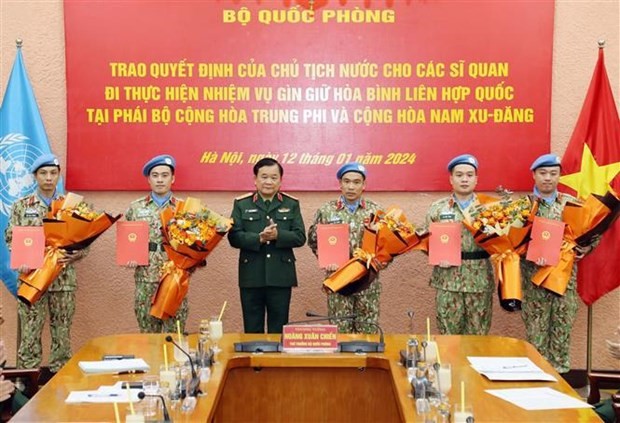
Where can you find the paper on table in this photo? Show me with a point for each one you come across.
(509, 368)
(114, 366)
(538, 398)
(102, 396)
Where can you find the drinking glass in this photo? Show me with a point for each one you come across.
(445, 378)
(150, 385)
(216, 331)
(179, 356)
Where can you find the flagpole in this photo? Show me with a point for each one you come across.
(601, 45)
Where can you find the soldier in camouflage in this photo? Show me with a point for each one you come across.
(59, 299)
(355, 211)
(464, 297)
(549, 317)
(159, 172)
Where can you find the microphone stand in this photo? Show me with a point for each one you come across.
(167, 418)
(193, 388)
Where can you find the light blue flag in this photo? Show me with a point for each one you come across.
(22, 140)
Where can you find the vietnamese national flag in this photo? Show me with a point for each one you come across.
(591, 164)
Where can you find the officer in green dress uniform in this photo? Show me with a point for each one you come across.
(464, 297)
(159, 172)
(267, 226)
(59, 299)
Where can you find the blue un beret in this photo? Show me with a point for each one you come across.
(467, 159)
(546, 160)
(163, 159)
(351, 167)
(43, 160)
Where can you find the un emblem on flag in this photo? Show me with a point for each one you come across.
(16, 157)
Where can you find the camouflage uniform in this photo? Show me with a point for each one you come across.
(549, 317)
(464, 298)
(147, 277)
(59, 299)
(365, 304)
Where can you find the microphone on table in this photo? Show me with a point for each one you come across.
(193, 388)
(143, 395)
(356, 346)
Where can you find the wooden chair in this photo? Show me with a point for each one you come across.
(604, 379)
(30, 377)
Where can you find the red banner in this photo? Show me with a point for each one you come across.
(399, 86)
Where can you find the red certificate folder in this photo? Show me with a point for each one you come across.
(546, 240)
(27, 247)
(132, 243)
(445, 243)
(333, 244)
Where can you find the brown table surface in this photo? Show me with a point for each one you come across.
(49, 403)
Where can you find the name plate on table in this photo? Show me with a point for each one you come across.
(310, 338)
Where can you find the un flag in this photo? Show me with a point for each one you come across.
(22, 140)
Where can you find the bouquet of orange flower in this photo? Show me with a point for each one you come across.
(70, 225)
(388, 235)
(585, 221)
(191, 231)
(502, 228)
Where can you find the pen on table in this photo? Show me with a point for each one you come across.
(102, 395)
(129, 372)
(514, 367)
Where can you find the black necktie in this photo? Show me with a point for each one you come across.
(267, 203)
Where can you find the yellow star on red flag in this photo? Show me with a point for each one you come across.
(591, 178)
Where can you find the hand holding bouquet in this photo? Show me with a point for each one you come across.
(502, 228)
(585, 222)
(191, 231)
(387, 235)
(70, 225)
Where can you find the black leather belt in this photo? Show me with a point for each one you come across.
(153, 246)
(474, 255)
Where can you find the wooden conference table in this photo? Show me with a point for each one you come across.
(277, 387)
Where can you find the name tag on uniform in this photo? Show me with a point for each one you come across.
(446, 216)
(31, 213)
(284, 210)
(143, 213)
(251, 211)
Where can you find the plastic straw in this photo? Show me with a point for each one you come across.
(117, 416)
(129, 397)
(222, 312)
(428, 329)
(438, 359)
(179, 332)
(165, 357)
(462, 396)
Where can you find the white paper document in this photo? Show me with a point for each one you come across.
(102, 395)
(538, 398)
(509, 368)
(114, 366)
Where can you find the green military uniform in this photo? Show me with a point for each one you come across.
(59, 299)
(464, 297)
(365, 303)
(266, 271)
(147, 277)
(549, 317)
